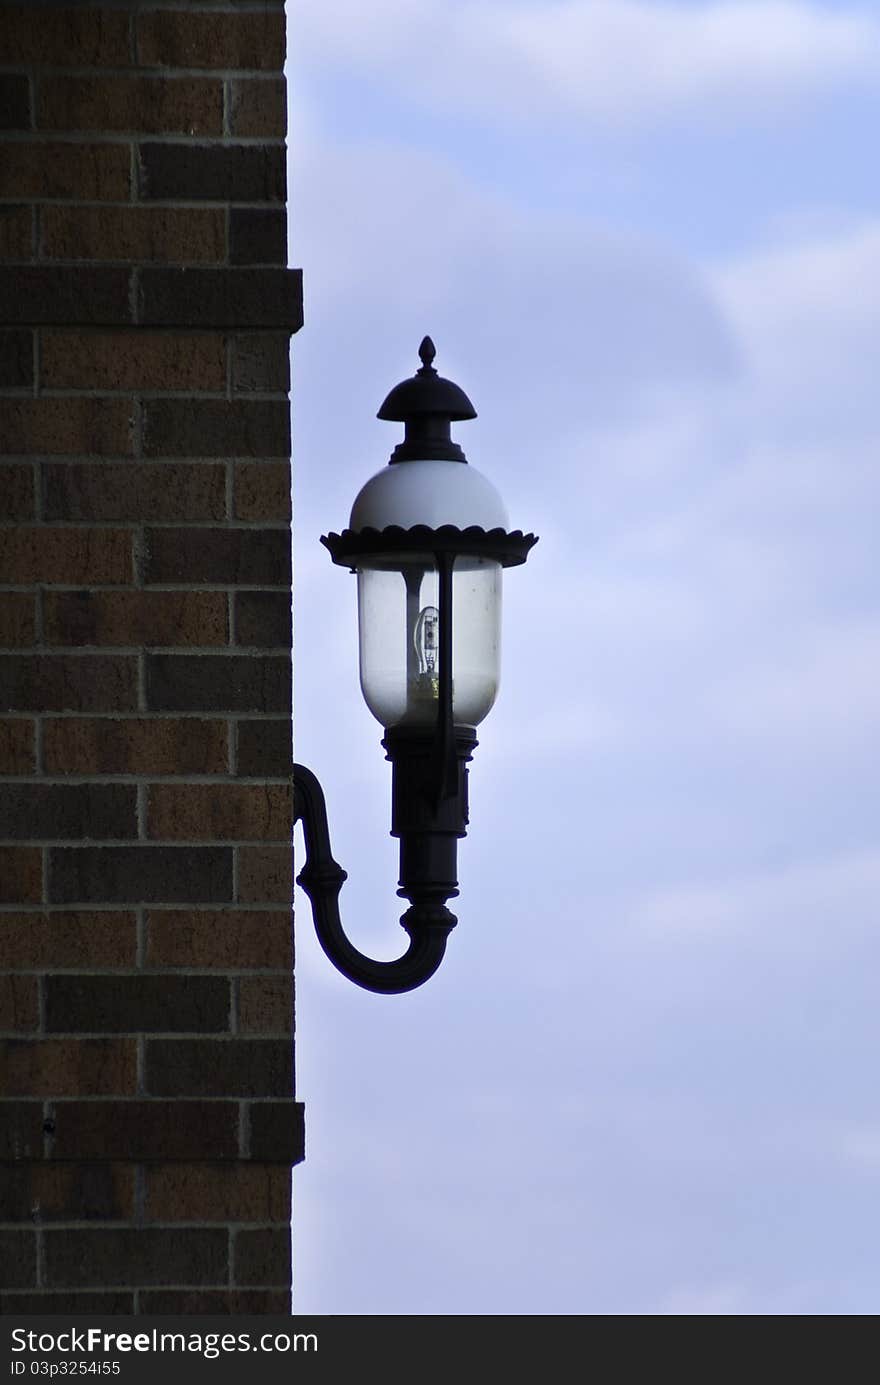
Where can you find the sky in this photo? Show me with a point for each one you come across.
(645, 238)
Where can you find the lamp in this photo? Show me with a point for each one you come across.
(428, 540)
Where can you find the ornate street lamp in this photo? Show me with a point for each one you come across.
(428, 539)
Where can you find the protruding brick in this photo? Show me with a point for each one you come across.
(265, 874)
(262, 491)
(83, 811)
(138, 1130)
(265, 1005)
(265, 748)
(263, 1256)
(135, 618)
(53, 941)
(67, 37)
(196, 683)
(205, 173)
(94, 426)
(84, 172)
(263, 619)
(161, 745)
(211, 1067)
(225, 812)
(259, 107)
(142, 105)
(21, 875)
(16, 620)
(227, 941)
(140, 874)
(258, 297)
(253, 40)
(19, 1013)
(222, 557)
(16, 745)
(132, 360)
(16, 359)
(65, 556)
(62, 683)
(217, 1193)
(139, 234)
(66, 1192)
(68, 1067)
(122, 1004)
(137, 1256)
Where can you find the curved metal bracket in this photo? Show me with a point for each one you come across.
(428, 922)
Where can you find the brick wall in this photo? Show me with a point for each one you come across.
(147, 1123)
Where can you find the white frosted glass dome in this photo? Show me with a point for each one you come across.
(428, 492)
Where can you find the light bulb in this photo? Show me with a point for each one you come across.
(425, 639)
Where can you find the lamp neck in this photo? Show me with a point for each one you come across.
(427, 438)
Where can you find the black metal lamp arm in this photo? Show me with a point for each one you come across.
(428, 921)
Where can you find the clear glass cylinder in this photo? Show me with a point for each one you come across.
(398, 618)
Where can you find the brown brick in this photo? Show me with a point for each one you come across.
(21, 874)
(140, 360)
(61, 683)
(67, 1192)
(253, 297)
(199, 683)
(16, 359)
(262, 1257)
(261, 361)
(215, 427)
(265, 874)
(262, 491)
(135, 618)
(139, 1256)
(73, 745)
(16, 746)
(15, 102)
(264, 748)
(276, 1132)
(222, 812)
(141, 874)
(83, 172)
(177, 39)
(136, 1130)
(16, 233)
(257, 236)
(21, 1130)
(214, 1067)
(45, 811)
(96, 295)
(64, 1304)
(17, 491)
(123, 1004)
(259, 107)
(65, 555)
(263, 619)
(70, 37)
(16, 619)
(211, 172)
(222, 557)
(232, 941)
(265, 1005)
(67, 939)
(69, 1067)
(94, 426)
(109, 491)
(216, 1302)
(193, 234)
(216, 1193)
(19, 1012)
(18, 1259)
(151, 105)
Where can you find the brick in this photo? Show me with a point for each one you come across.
(67, 1192)
(257, 236)
(204, 173)
(45, 1302)
(16, 619)
(122, 1004)
(16, 746)
(263, 619)
(223, 557)
(228, 40)
(261, 297)
(56, 940)
(265, 1005)
(222, 812)
(141, 874)
(195, 683)
(135, 618)
(73, 745)
(265, 748)
(216, 1193)
(15, 102)
(140, 1130)
(276, 1131)
(142, 105)
(193, 234)
(82, 172)
(19, 1012)
(261, 362)
(69, 1067)
(61, 683)
(229, 941)
(265, 874)
(96, 426)
(212, 1067)
(259, 107)
(47, 811)
(215, 427)
(140, 1256)
(21, 875)
(138, 360)
(65, 556)
(16, 233)
(262, 491)
(216, 1302)
(18, 1259)
(21, 1130)
(70, 37)
(16, 360)
(262, 1257)
(47, 293)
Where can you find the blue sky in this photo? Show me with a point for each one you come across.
(645, 238)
